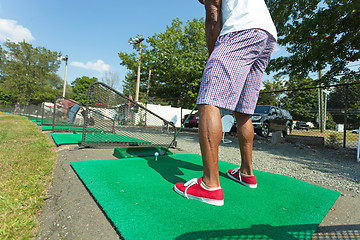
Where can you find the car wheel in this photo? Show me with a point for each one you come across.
(287, 131)
(265, 130)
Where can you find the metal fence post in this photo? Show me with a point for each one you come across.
(358, 149)
(345, 113)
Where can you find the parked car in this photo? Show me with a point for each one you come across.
(193, 121)
(302, 126)
(268, 119)
(355, 131)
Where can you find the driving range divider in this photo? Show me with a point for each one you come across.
(121, 122)
(60, 121)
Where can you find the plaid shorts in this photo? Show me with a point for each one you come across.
(233, 74)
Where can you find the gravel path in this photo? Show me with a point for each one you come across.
(334, 169)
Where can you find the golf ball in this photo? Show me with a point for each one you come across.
(156, 154)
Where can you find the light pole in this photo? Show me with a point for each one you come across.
(326, 93)
(66, 64)
(148, 87)
(136, 41)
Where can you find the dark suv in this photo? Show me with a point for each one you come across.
(268, 119)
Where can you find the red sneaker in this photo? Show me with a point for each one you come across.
(193, 190)
(249, 181)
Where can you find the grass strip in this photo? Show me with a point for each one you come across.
(27, 160)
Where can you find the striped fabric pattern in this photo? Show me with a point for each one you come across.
(233, 74)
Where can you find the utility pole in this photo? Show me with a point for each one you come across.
(66, 64)
(138, 75)
(148, 86)
(135, 41)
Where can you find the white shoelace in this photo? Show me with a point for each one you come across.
(235, 170)
(188, 184)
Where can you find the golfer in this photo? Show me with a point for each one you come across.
(71, 109)
(241, 37)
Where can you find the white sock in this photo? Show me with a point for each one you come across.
(209, 188)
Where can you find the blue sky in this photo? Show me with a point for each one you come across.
(91, 32)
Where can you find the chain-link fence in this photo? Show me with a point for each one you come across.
(328, 114)
(31, 111)
(307, 106)
(113, 119)
(331, 113)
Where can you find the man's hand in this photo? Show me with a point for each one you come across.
(201, 1)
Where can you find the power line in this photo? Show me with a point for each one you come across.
(309, 88)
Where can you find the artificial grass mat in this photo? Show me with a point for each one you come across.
(137, 196)
(61, 139)
(69, 128)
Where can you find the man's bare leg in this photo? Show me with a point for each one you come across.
(210, 135)
(245, 132)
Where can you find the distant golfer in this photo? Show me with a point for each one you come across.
(71, 109)
(241, 37)
(17, 107)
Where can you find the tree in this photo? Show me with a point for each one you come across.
(337, 100)
(302, 103)
(28, 74)
(269, 95)
(111, 79)
(317, 34)
(176, 58)
(80, 88)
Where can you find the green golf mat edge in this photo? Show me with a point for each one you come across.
(61, 139)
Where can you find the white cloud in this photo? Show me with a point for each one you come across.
(99, 65)
(10, 29)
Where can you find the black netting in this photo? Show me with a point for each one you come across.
(47, 112)
(114, 119)
(68, 115)
(33, 112)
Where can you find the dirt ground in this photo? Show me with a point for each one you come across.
(71, 213)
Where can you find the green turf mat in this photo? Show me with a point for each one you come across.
(69, 128)
(61, 139)
(39, 123)
(127, 152)
(137, 196)
(111, 138)
(49, 128)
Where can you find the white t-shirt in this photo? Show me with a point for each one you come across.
(238, 15)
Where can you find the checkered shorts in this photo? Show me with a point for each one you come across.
(233, 74)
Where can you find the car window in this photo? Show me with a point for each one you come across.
(272, 111)
(286, 113)
(224, 112)
(262, 109)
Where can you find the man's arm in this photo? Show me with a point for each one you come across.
(213, 22)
